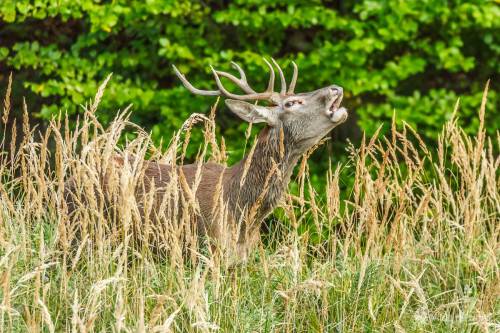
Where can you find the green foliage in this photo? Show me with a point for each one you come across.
(416, 57)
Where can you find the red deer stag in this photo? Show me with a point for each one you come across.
(253, 187)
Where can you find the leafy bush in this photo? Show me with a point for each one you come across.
(416, 57)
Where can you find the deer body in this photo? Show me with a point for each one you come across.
(253, 187)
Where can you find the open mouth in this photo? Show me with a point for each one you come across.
(335, 104)
(335, 112)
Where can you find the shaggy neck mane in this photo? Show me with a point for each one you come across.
(267, 175)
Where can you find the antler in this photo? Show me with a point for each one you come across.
(269, 95)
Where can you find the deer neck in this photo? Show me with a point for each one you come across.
(267, 174)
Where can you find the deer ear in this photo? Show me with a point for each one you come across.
(250, 112)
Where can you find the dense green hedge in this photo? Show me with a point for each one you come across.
(416, 57)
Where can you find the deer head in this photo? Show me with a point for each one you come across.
(304, 117)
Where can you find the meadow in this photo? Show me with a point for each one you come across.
(414, 247)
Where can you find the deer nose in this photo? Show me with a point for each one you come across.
(336, 91)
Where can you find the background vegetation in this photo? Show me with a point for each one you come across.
(402, 236)
(416, 57)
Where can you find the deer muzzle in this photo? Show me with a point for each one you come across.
(335, 112)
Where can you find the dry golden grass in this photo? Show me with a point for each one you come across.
(415, 248)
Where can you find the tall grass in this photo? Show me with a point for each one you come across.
(415, 248)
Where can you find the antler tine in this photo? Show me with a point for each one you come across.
(294, 79)
(270, 86)
(282, 77)
(241, 71)
(242, 83)
(190, 87)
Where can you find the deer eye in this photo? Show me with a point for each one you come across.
(290, 104)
